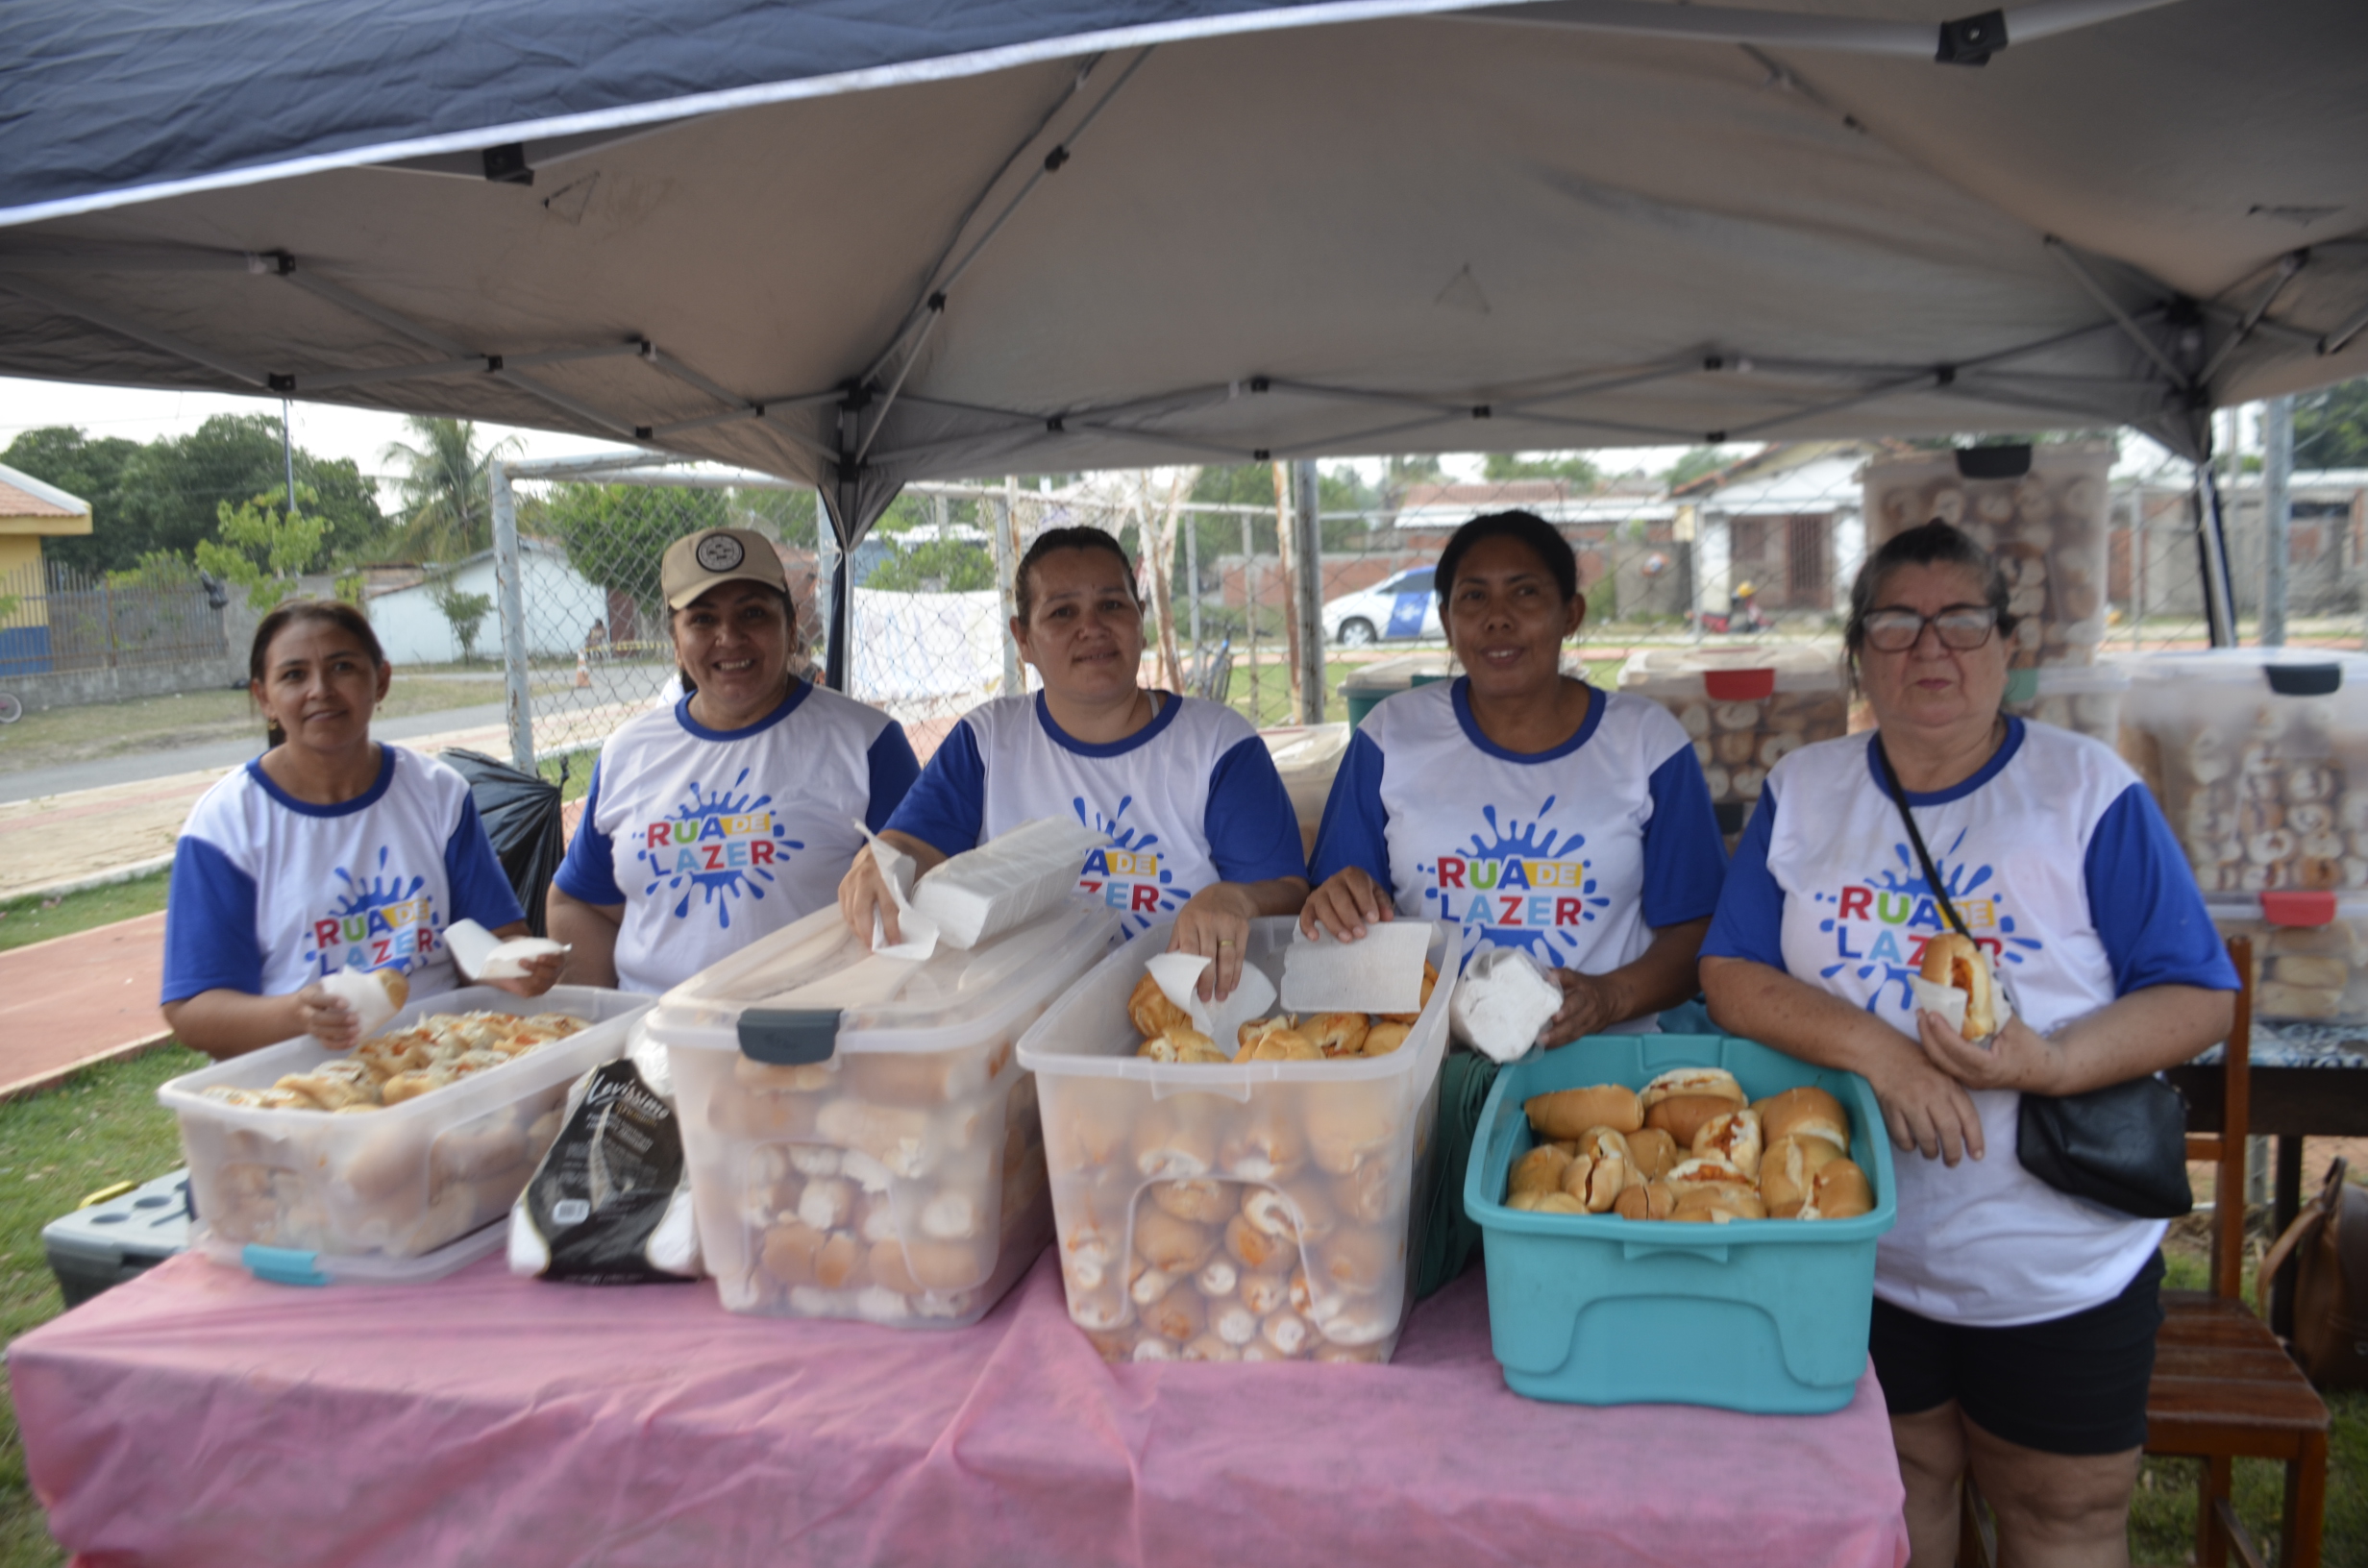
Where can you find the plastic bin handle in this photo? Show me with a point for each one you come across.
(789, 1036)
(1708, 1251)
(282, 1265)
(2303, 679)
(1738, 685)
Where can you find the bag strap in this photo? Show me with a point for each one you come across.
(1931, 873)
(2315, 1214)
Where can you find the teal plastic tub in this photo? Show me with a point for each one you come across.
(1764, 1316)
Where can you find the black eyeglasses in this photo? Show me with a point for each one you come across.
(1962, 627)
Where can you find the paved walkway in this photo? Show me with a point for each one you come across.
(72, 1001)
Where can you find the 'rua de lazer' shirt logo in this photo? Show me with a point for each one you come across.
(1126, 873)
(1525, 883)
(1881, 924)
(717, 844)
(383, 919)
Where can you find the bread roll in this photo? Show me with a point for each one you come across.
(1683, 1116)
(1733, 1136)
(1653, 1152)
(1717, 1082)
(1567, 1112)
(2312, 971)
(1540, 1171)
(1336, 1034)
(1719, 1204)
(1166, 1242)
(1787, 1171)
(1807, 1110)
(1151, 1013)
(1954, 961)
(1385, 1037)
(1840, 1191)
(1546, 1203)
(1200, 1199)
(1648, 1200)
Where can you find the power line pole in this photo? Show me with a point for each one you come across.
(2276, 514)
(287, 453)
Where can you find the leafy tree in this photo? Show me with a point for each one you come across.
(2330, 427)
(1571, 466)
(61, 456)
(941, 566)
(447, 489)
(171, 492)
(465, 612)
(616, 534)
(1694, 464)
(264, 550)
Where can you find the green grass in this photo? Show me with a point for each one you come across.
(99, 1127)
(29, 920)
(578, 771)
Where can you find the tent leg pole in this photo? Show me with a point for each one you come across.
(517, 694)
(2212, 548)
(1307, 579)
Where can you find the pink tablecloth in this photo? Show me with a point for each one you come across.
(197, 1417)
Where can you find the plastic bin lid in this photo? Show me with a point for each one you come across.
(1399, 673)
(1301, 748)
(2290, 907)
(813, 987)
(1736, 674)
(2285, 671)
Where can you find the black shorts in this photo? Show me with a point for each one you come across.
(2073, 1385)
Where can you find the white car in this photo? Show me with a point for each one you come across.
(1400, 606)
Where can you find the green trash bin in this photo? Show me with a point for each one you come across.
(1387, 677)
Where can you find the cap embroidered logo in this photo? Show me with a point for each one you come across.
(719, 553)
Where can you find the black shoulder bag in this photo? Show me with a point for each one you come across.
(2123, 1146)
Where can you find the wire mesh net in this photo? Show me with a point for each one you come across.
(1758, 547)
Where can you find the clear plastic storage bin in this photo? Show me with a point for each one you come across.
(1363, 690)
(861, 1141)
(402, 1181)
(1260, 1211)
(1308, 756)
(2046, 526)
(2260, 758)
(2086, 699)
(1745, 707)
(2310, 953)
(102, 1244)
(1765, 1315)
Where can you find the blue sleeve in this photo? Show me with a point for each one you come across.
(480, 887)
(1685, 854)
(893, 768)
(1750, 923)
(1252, 828)
(589, 872)
(1355, 830)
(2144, 901)
(209, 937)
(947, 806)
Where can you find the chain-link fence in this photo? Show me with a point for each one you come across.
(2103, 549)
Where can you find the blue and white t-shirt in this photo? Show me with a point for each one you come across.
(713, 838)
(1190, 800)
(271, 894)
(2062, 868)
(1576, 854)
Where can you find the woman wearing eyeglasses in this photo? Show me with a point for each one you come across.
(2013, 1324)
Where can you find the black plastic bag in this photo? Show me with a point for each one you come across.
(521, 814)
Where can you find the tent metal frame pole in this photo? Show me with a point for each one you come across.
(1307, 586)
(2289, 267)
(2211, 549)
(516, 691)
(2097, 291)
(154, 337)
(1729, 24)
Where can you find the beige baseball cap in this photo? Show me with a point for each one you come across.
(698, 561)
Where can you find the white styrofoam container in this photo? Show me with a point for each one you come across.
(2260, 758)
(1743, 707)
(860, 1139)
(1346, 1143)
(399, 1183)
(2046, 526)
(2309, 952)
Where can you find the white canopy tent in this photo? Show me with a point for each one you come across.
(933, 239)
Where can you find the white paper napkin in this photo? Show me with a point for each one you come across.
(897, 870)
(1379, 972)
(362, 991)
(1178, 977)
(1951, 1003)
(484, 956)
(1502, 1002)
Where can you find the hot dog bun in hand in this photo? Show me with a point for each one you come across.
(1954, 961)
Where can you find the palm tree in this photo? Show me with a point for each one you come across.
(447, 489)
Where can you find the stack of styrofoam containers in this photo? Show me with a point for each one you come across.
(1262, 1211)
(2310, 953)
(2084, 699)
(861, 1140)
(2260, 758)
(1765, 1315)
(2045, 524)
(406, 1193)
(1308, 757)
(1745, 707)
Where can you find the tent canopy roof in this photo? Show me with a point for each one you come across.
(857, 245)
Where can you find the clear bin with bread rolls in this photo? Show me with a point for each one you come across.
(860, 1139)
(1744, 708)
(1746, 1282)
(1264, 1208)
(2086, 699)
(290, 1193)
(2040, 510)
(2309, 952)
(2258, 757)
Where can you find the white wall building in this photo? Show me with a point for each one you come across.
(564, 606)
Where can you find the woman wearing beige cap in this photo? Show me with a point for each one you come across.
(731, 813)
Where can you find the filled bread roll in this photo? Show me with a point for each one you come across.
(1718, 1204)
(1653, 1152)
(1567, 1114)
(1954, 961)
(1840, 1191)
(1150, 1011)
(1385, 1037)
(1648, 1200)
(1176, 1245)
(1336, 1034)
(1787, 1171)
(1717, 1082)
(1683, 1116)
(1804, 1111)
(1733, 1136)
(1540, 1171)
